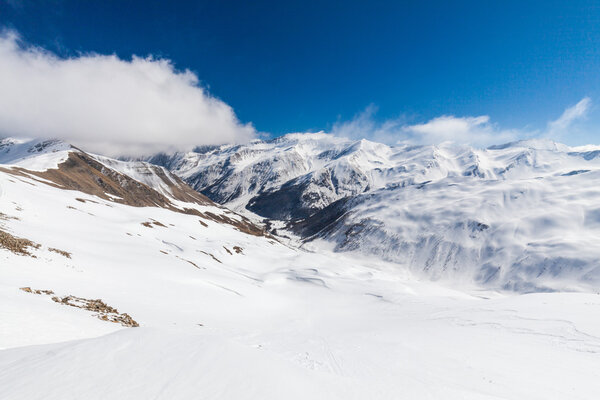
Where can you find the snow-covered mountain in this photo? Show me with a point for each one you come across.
(287, 178)
(120, 281)
(520, 216)
(134, 183)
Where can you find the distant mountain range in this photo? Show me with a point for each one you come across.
(520, 216)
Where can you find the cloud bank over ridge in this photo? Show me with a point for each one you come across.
(109, 105)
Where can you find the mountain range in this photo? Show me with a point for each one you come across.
(308, 266)
(521, 216)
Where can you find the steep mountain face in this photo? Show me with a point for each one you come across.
(287, 178)
(135, 183)
(519, 216)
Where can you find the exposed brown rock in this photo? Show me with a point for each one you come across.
(36, 291)
(238, 249)
(61, 252)
(213, 257)
(83, 173)
(5, 217)
(191, 262)
(17, 245)
(103, 310)
(242, 225)
(86, 201)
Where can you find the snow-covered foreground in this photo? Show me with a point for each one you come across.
(269, 321)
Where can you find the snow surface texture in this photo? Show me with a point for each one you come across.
(266, 322)
(523, 216)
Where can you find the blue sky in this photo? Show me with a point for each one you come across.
(299, 66)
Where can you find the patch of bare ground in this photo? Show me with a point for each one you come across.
(5, 217)
(103, 311)
(36, 291)
(148, 224)
(191, 262)
(17, 245)
(238, 249)
(242, 225)
(213, 257)
(61, 252)
(86, 201)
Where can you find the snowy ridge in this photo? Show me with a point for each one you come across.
(33, 154)
(133, 183)
(233, 175)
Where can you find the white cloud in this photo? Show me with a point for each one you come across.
(109, 105)
(559, 128)
(477, 131)
(364, 125)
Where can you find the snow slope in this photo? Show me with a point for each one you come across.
(36, 155)
(522, 216)
(224, 314)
